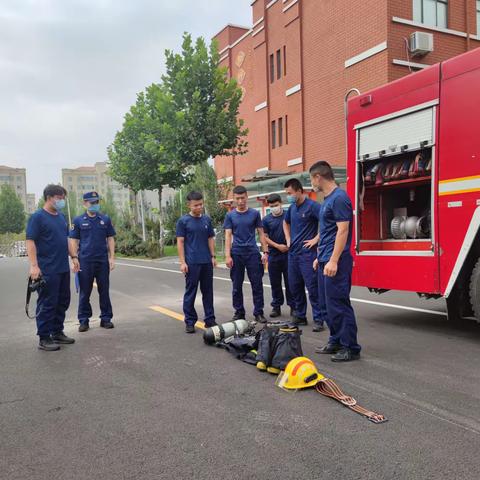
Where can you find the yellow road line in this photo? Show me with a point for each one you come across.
(175, 315)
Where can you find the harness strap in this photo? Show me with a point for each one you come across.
(329, 388)
(27, 300)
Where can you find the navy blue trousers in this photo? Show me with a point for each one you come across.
(199, 274)
(334, 296)
(252, 263)
(53, 301)
(300, 275)
(278, 268)
(100, 272)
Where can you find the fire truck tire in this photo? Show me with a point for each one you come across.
(475, 290)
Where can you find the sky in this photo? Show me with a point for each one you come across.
(70, 69)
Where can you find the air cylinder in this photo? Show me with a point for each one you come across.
(214, 334)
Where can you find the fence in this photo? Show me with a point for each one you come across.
(13, 249)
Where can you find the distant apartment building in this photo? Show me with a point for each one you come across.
(85, 179)
(17, 179)
(31, 203)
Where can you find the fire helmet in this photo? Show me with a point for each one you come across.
(300, 372)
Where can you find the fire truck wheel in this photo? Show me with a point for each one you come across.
(475, 290)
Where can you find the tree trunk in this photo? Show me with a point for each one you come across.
(160, 220)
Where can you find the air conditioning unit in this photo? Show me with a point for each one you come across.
(421, 43)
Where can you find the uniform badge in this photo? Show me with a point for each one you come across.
(102, 222)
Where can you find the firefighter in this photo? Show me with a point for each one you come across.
(92, 248)
(196, 249)
(47, 248)
(301, 231)
(277, 254)
(334, 265)
(242, 253)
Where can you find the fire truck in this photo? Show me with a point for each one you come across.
(413, 168)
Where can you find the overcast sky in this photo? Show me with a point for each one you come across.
(70, 69)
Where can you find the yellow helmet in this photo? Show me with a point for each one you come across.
(300, 372)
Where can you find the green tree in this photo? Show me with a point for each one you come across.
(206, 103)
(108, 206)
(12, 212)
(136, 158)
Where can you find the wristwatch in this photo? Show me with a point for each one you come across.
(73, 258)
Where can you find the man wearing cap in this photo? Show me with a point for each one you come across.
(92, 248)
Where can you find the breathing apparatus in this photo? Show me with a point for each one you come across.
(219, 332)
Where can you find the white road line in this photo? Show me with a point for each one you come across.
(358, 300)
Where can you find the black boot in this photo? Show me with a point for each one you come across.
(276, 312)
(238, 316)
(62, 338)
(189, 329)
(48, 345)
(107, 324)
(83, 327)
(260, 318)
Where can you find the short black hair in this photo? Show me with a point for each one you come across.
(273, 198)
(295, 184)
(52, 190)
(239, 190)
(323, 169)
(194, 196)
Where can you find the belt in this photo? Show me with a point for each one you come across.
(329, 388)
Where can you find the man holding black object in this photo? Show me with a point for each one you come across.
(47, 249)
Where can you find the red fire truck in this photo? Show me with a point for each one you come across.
(414, 177)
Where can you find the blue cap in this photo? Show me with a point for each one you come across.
(91, 196)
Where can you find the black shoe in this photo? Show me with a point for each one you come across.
(260, 318)
(48, 345)
(62, 338)
(106, 324)
(329, 348)
(214, 324)
(299, 321)
(345, 355)
(83, 327)
(276, 312)
(189, 329)
(318, 328)
(238, 316)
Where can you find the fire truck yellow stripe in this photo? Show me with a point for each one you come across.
(444, 194)
(450, 180)
(456, 186)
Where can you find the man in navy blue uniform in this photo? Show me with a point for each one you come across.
(301, 232)
(334, 265)
(92, 248)
(196, 249)
(242, 253)
(277, 254)
(47, 248)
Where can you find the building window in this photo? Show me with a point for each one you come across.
(286, 129)
(274, 134)
(280, 132)
(478, 17)
(285, 61)
(431, 12)
(279, 64)
(272, 68)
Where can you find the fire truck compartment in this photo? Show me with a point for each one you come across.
(397, 202)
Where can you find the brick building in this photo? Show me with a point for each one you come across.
(300, 57)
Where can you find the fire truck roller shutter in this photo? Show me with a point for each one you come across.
(412, 130)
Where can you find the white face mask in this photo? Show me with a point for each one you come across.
(277, 210)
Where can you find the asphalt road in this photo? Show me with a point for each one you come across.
(146, 401)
